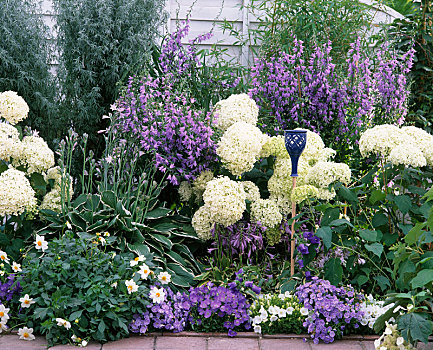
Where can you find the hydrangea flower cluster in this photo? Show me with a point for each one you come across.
(331, 309)
(16, 193)
(35, 155)
(227, 304)
(409, 145)
(277, 313)
(171, 314)
(234, 109)
(240, 147)
(53, 199)
(13, 108)
(391, 339)
(291, 86)
(266, 212)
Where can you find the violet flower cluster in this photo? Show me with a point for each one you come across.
(331, 309)
(171, 314)
(213, 305)
(9, 288)
(308, 92)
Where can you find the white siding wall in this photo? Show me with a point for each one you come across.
(207, 14)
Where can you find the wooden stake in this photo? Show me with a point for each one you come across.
(292, 246)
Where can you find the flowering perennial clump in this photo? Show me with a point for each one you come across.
(391, 339)
(236, 108)
(13, 108)
(277, 313)
(330, 309)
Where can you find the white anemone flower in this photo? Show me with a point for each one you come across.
(63, 323)
(26, 333)
(157, 295)
(4, 316)
(26, 301)
(144, 271)
(40, 243)
(164, 278)
(16, 267)
(131, 286)
(137, 260)
(4, 257)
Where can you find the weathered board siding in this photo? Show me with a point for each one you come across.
(206, 15)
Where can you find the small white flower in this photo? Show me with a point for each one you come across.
(102, 240)
(281, 296)
(273, 318)
(4, 317)
(16, 267)
(304, 311)
(2, 273)
(257, 320)
(409, 307)
(137, 260)
(287, 294)
(400, 341)
(290, 310)
(131, 285)
(83, 344)
(377, 343)
(164, 277)
(257, 329)
(40, 243)
(281, 313)
(144, 271)
(383, 348)
(26, 301)
(63, 323)
(3, 327)
(4, 257)
(68, 225)
(114, 285)
(26, 333)
(157, 295)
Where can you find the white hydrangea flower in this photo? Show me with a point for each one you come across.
(252, 191)
(301, 193)
(16, 193)
(313, 148)
(325, 195)
(322, 174)
(52, 201)
(185, 191)
(234, 109)
(225, 200)
(421, 139)
(381, 139)
(326, 154)
(202, 223)
(36, 155)
(13, 107)
(54, 174)
(408, 155)
(10, 144)
(240, 146)
(274, 146)
(267, 212)
(199, 184)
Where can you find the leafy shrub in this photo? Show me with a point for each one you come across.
(99, 41)
(77, 281)
(25, 54)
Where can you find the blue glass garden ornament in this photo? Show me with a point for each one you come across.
(295, 141)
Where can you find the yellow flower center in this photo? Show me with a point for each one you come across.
(98, 234)
(39, 243)
(164, 278)
(158, 294)
(26, 301)
(146, 271)
(3, 257)
(137, 258)
(129, 287)
(26, 335)
(2, 313)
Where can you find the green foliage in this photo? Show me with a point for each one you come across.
(99, 41)
(405, 7)
(417, 28)
(75, 280)
(25, 54)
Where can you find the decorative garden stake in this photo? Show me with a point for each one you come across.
(295, 141)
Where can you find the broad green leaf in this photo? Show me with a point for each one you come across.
(347, 194)
(377, 195)
(288, 286)
(109, 198)
(330, 215)
(422, 278)
(414, 234)
(403, 202)
(333, 271)
(362, 279)
(157, 213)
(379, 220)
(368, 235)
(164, 227)
(375, 248)
(162, 239)
(325, 233)
(382, 281)
(415, 326)
(340, 222)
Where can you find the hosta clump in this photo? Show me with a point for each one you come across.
(277, 313)
(331, 310)
(170, 314)
(218, 308)
(94, 292)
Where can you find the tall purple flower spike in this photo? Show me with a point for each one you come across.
(295, 141)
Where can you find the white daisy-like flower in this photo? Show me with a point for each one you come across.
(144, 271)
(157, 295)
(282, 313)
(40, 243)
(257, 320)
(26, 333)
(26, 301)
(16, 267)
(4, 257)
(131, 286)
(63, 323)
(290, 310)
(257, 329)
(399, 341)
(164, 278)
(273, 318)
(3, 327)
(4, 316)
(137, 260)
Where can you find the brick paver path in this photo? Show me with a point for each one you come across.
(192, 341)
